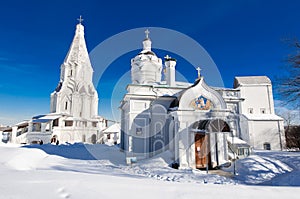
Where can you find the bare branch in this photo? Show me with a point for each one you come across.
(289, 86)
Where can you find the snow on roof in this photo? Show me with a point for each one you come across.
(25, 122)
(183, 84)
(113, 128)
(69, 118)
(262, 117)
(51, 116)
(235, 140)
(249, 80)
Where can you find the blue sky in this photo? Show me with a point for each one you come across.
(242, 37)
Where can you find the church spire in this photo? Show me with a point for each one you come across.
(77, 60)
(147, 42)
(76, 94)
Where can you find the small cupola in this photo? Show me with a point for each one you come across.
(146, 67)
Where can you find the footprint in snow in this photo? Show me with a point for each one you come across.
(62, 193)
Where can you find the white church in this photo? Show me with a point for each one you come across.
(201, 125)
(73, 113)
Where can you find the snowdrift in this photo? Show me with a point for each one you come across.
(94, 171)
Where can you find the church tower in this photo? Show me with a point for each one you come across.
(75, 94)
(146, 67)
(75, 100)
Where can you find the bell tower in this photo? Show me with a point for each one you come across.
(75, 94)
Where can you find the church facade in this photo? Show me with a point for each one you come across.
(197, 123)
(73, 113)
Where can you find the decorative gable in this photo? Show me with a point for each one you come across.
(201, 97)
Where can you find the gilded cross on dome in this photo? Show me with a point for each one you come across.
(80, 19)
(147, 32)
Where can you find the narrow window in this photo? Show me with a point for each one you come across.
(71, 73)
(55, 122)
(241, 151)
(66, 106)
(250, 110)
(139, 131)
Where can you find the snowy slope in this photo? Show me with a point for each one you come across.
(270, 168)
(99, 171)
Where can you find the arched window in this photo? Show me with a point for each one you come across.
(158, 128)
(158, 145)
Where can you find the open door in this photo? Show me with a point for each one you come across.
(201, 151)
(205, 145)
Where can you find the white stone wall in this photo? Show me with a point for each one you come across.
(261, 132)
(257, 97)
(244, 130)
(68, 134)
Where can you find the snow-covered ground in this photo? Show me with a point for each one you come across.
(99, 171)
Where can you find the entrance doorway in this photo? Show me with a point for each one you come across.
(201, 151)
(210, 142)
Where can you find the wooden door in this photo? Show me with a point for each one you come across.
(200, 151)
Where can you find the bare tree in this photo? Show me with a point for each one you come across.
(291, 129)
(290, 117)
(288, 86)
(292, 135)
